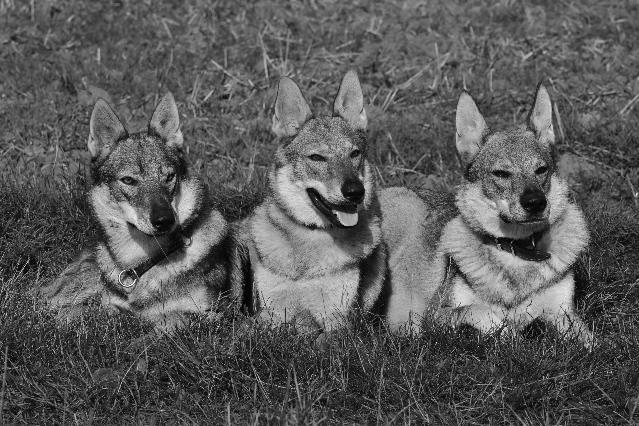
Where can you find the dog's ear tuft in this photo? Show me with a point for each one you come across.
(105, 129)
(165, 122)
(291, 109)
(470, 128)
(540, 119)
(349, 102)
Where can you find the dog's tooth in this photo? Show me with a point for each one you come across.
(347, 219)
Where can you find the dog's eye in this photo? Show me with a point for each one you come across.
(128, 180)
(316, 157)
(356, 153)
(502, 174)
(541, 170)
(170, 177)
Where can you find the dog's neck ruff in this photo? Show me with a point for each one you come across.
(129, 277)
(525, 249)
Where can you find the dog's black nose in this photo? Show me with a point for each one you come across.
(353, 190)
(533, 201)
(162, 217)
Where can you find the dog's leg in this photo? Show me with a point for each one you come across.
(324, 335)
(485, 318)
(171, 321)
(73, 291)
(555, 305)
(525, 313)
(306, 324)
(274, 316)
(172, 282)
(463, 306)
(207, 234)
(571, 326)
(165, 321)
(559, 310)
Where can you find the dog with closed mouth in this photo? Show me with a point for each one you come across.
(500, 251)
(163, 251)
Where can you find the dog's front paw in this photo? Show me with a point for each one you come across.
(244, 326)
(324, 340)
(482, 317)
(142, 343)
(587, 339)
(69, 315)
(443, 316)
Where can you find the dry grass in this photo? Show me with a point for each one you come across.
(221, 60)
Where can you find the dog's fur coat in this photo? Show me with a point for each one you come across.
(150, 211)
(501, 252)
(316, 251)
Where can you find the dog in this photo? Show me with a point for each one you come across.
(315, 247)
(407, 241)
(163, 251)
(500, 252)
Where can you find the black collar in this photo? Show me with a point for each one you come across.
(127, 278)
(525, 249)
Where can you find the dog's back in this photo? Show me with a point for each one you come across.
(411, 228)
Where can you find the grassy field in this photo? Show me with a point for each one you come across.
(222, 60)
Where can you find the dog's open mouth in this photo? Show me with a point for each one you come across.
(343, 215)
(531, 221)
(153, 232)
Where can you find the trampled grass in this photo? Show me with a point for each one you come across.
(222, 60)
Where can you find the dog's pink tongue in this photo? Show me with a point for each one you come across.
(346, 219)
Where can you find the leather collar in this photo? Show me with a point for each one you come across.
(127, 278)
(525, 249)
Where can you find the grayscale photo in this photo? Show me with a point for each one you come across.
(319, 212)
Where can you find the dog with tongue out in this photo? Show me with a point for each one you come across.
(314, 245)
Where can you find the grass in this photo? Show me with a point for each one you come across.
(222, 60)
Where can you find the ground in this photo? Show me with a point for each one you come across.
(222, 60)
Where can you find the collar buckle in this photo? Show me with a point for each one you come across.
(130, 273)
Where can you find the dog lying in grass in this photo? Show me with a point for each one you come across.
(315, 249)
(163, 251)
(500, 252)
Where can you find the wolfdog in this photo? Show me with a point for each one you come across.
(163, 250)
(315, 244)
(500, 252)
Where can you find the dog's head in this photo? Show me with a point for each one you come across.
(321, 176)
(139, 174)
(511, 188)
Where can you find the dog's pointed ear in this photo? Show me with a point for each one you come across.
(291, 109)
(470, 128)
(540, 119)
(349, 102)
(105, 129)
(165, 122)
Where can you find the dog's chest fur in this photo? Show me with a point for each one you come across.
(183, 280)
(297, 268)
(499, 277)
(323, 297)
